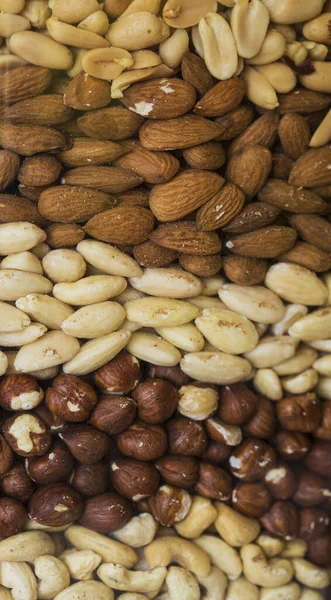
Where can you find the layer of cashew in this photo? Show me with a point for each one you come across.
(86, 590)
(214, 585)
(120, 578)
(221, 555)
(26, 546)
(182, 584)
(291, 591)
(53, 576)
(310, 575)
(272, 546)
(166, 550)
(81, 564)
(110, 550)
(200, 516)
(19, 578)
(138, 532)
(258, 570)
(234, 528)
(295, 549)
(242, 588)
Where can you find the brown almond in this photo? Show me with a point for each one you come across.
(195, 72)
(86, 151)
(294, 134)
(244, 270)
(261, 132)
(309, 256)
(180, 133)
(23, 82)
(183, 194)
(150, 254)
(268, 242)
(236, 122)
(85, 92)
(139, 196)
(122, 225)
(221, 208)
(71, 128)
(313, 229)
(31, 139)
(31, 192)
(222, 98)
(185, 237)
(47, 109)
(59, 83)
(9, 166)
(39, 170)
(160, 98)
(324, 191)
(70, 204)
(314, 119)
(209, 156)
(249, 169)
(291, 198)
(313, 168)
(112, 180)
(64, 235)
(253, 216)
(281, 166)
(152, 167)
(202, 266)
(14, 208)
(112, 123)
(302, 100)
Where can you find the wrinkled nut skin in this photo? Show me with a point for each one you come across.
(291, 445)
(169, 505)
(263, 424)
(282, 520)
(281, 482)
(313, 524)
(213, 482)
(186, 437)
(319, 458)
(86, 444)
(319, 551)
(142, 441)
(173, 374)
(179, 471)
(237, 404)
(299, 413)
(312, 489)
(106, 513)
(15, 388)
(120, 375)
(251, 460)
(17, 484)
(55, 505)
(54, 423)
(134, 479)
(30, 428)
(323, 432)
(70, 398)
(216, 453)
(113, 414)
(6, 456)
(12, 517)
(251, 499)
(90, 480)
(156, 400)
(54, 466)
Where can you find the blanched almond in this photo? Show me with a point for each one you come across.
(185, 337)
(215, 367)
(153, 349)
(315, 326)
(158, 312)
(267, 383)
(25, 336)
(302, 383)
(219, 47)
(174, 283)
(202, 302)
(96, 353)
(20, 236)
(293, 313)
(45, 309)
(53, 348)
(271, 351)
(64, 265)
(303, 359)
(12, 319)
(296, 284)
(89, 290)
(94, 320)
(22, 261)
(256, 303)
(323, 365)
(3, 363)
(109, 259)
(227, 331)
(14, 284)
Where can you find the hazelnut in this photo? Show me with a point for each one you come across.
(323, 431)
(120, 375)
(170, 505)
(106, 513)
(156, 399)
(319, 551)
(53, 422)
(262, 424)
(237, 404)
(12, 517)
(197, 401)
(180, 471)
(173, 374)
(27, 434)
(282, 520)
(281, 482)
(55, 505)
(86, 444)
(20, 392)
(90, 480)
(313, 524)
(6, 456)
(186, 437)
(251, 499)
(17, 484)
(319, 458)
(134, 479)
(252, 460)
(213, 482)
(216, 453)
(311, 490)
(70, 398)
(56, 465)
(291, 445)
(231, 435)
(142, 441)
(299, 413)
(113, 414)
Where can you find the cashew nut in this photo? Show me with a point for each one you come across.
(110, 550)
(120, 578)
(308, 594)
(53, 576)
(295, 549)
(182, 584)
(214, 585)
(166, 550)
(138, 532)
(242, 588)
(132, 596)
(81, 563)
(309, 574)
(84, 590)
(221, 555)
(200, 516)
(19, 577)
(271, 546)
(292, 591)
(26, 546)
(234, 528)
(258, 570)
(31, 525)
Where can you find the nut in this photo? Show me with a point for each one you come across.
(291, 445)
(281, 482)
(106, 513)
(231, 435)
(86, 444)
(156, 400)
(252, 460)
(237, 404)
(90, 480)
(20, 392)
(134, 479)
(251, 499)
(213, 482)
(186, 437)
(299, 413)
(120, 375)
(217, 452)
(319, 550)
(17, 484)
(6, 456)
(142, 441)
(197, 401)
(282, 520)
(311, 489)
(179, 471)
(53, 422)
(323, 432)
(313, 524)
(113, 414)
(55, 505)
(170, 505)
(27, 434)
(319, 458)
(70, 398)
(12, 517)
(173, 374)
(54, 466)
(262, 424)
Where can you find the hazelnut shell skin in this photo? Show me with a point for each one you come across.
(313, 524)
(6, 456)
(106, 513)
(142, 441)
(173, 374)
(86, 444)
(54, 423)
(90, 480)
(292, 445)
(12, 517)
(213, 482)
(281, 482)
(134, 479)
(179, 471)
(311, 490)
(15, 385)
(252, 460)
(156, 399)
(43, 504)
(323, 431)
(113, 414)
(319, 551)
(251, 499)
(299, 413)
(70, 398)
(282, 520)
(54, 466)
(216, 453)
(169, 505)
(186, 437)
(120, 375)
(319, 458)
(263, 423)
(41, 442)
(237, 404)
(17, 484)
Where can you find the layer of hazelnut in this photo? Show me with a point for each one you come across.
(106, 513)
(319, 550)
(120, 375)
(312, 489)
(217, 452)
(282, 520)
(170, 505)
(281, 482)
(237, 404)
(16, 483)
(263, 423)
(113, 414)
(86, 444)
(12, 517)
(291, 445)
(53, 422)
(70, 398)
(90, 480)
(186, 437)
(173, 374)
(252, 460)
(299, 413)
(20, 392)
(55, 505)
(56, 465)
(213, 482)
(319, 458)
(134, 479)
(313, 524)
(231, 435)
(323, 431)
(6, 456)
(179, 471)
(143, 441)
(27, 434)
(251, 499)
(156, 400)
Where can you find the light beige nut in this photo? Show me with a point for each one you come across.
(242, 588)
(235, 529)
(291, 591)
(286, 11)
(144, 59)
(37, 12)
(109, 259)
(211, 285)
(11, 6)
(271, 351)
(132, 596)
(201, 515)
(97, 22)
(9, 62)
(314, 326)
(106, 63)
(40, 250)
(19, 237)
(267, 383)
(187, 13)
(322, 345)
(89, 290)
(174, 283)
(80, 564)
(287, 31)
(214, 585)
(73, 11)
(165, 550)
(323, 388)
(10, 24)
(327, 280)
(257, 569)
(118, 577)
(64, 265)
(323, 365)
(3, 363)
(14, 284)
(40, 50)
(256, 303)
(301, 383)
(96, 353)
(197, 403)
(295, 549)
(228, 331)
(64, 33)
(271, 546)
(296, 284)
(303, 359)
(77, 67)
(138, 532)
(94, 320)
(181, 583)
(12, 319)
(109, 550)
(53, 576)
(153, 349)
(215, 367)
(137, 31)
(45, 309)
(185, 337)
(26, 546)
(173, 49)
(280, 76)
(86, 589)
(319, 80)
(322, 135)
(221, 555)
(249, 24)
(129, 294)
(219, 47)
(318, 29)
(309, 574)
(22, 261)
(308, 594)
(297, 52)
(52, 349)
(158, 312)
(19, 578)
(272, 49)
(123, 81)
(25, 336)
(202, 302)
(5, 594)
(293, 313)
(315, 51)
(259, 90)
(197, 41)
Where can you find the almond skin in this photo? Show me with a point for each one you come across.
(64, 235)
(160, 98)
(112, 123)
(244, 270)
(152, 167)
(111, 180)
(87, 152)
(150, 254)
(139, 196)
(71, 204)
(23, 82)
(261, 132)
(249, 168)
(195, 72)
(290, 198)
(308, 256)
(221, 208)
(313, 229)
(294, 134)
(202, 266)
(281, 166)
(313, 168)
(209, 156)
(302, 101)
(224, 97)
(28, 139)
(176, 134)
(14, 208)
(268, 242)
(121, 225)
(31, 192)
(186, 238)
(47, 109)
(252, 217)
(39, 170)
(85, 92)
(9, 166)
(236, 122)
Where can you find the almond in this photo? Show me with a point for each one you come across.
(195, 72)
(290, 198)
(222, 98)
(210, 156)
(313, 168)
(9, 166)
(160, 98)
(267, 242)
(106, 179)
(244, 270)
(249, 169)
(302, 101)
(236, 122)
(70, 127)
(31, 192)
(202, 266)
(262, 132)
(281, 166)
(137, 197)
(173, 134)
(64, 235)
(47, 109)
(70, 204)
(252, 217)
(112, 123)
(122, 225)
(152, 167)
(185, 237)
(221, 208)
(28, 139)
(23, 82)
(39, 170)
(150, 254)
(183, 194)
(14, 208)
(85, 92)
(294, 134)
(86, 151)
(308, 256)
(313, 229)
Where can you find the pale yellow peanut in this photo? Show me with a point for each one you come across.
(197, 41)
(11, 6)
(256, 303)
(89, 290)
(9, 62)
(272, 49)
(45, 309)
(22, 261)
(19, 237)
(138, 30)
(215, 367)
(287, 31)
(52, 349)
(37, 12)
(97, 22)
(77, 67)
(322, 135)
(267, 383)
(124, 80)
(40, 250)
(227, 331)
(185, 337)
(202, 302)
(297, 52)
(280, 76)
(40, 50)
(327, 280)
(293, 313)
(318, 29)
(12, 319)
(271, 351)
(151, 6)
(94, 320)
(145, 58)
(286, 11)
(211, 285)
(320, 79)
(22, 337)
(109, 259)
(249, 24)
(173, 49)
(316, 51)
(106, 63)
(186, 13)
(301, 383)
(322, 345)
(96, 353)
(303, 359)
(296, 284)
(68, 34)
(219, 47)
(259, 90)
(174, 283)
(3, 363)
(74, 11)
(10, 24)
(315, 326)
(323, 365)
(64, 265)
(14, 284)
(153, 349)
(160, 312)
(323, 388)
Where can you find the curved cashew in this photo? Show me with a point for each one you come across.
(141, 565)
(214, 585)
(26, 546)
(132, 596)
(81, 563)
(242, 588)
(53, 576)
(308, 594)
(295, 549)
(221, 555)
(110, 550)
(166, 550)
(86, 590)
(258, 570)
(138, 532)
(201, 515)
(19, 577)
(310, 575)
(182, 584)
(292, 591)
(271, 546)
(5, 594)
(120, 578)
(234, 528)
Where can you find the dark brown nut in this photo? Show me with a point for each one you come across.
(323, 432)
(106, 513)
(113, 414)
(281, 482)
(156, 399)
(56, 465)
(237, 404)
(281, 166)
(173, 374)
(6, 456)
(40, 169)
(213, 482)
(12, 517)
(170, 505)
(71, 398)
(186, 437)
(282, 520)
(142, 441)
(319, 551)
(17, 484)
(319, 458)
(90, 480)
(120, 375)
(86, 444)
(180, 471)
(216, 453)
(252, 460)
(262, 425)
(20, 392)
(55, 505)
(64, 235)
(27, 434)
(231, 435)
(54, 423)
(312, 489)
(251, 499)
(299, 413)
(313, 524)
(291, 445)
(134, 479)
